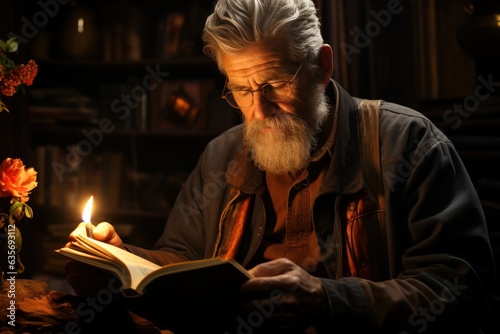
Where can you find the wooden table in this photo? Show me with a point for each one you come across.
(37, 309)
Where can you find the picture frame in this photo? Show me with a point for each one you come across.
(180, 105)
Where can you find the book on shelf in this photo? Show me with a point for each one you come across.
(206, 286)
(53, 105)
(69, 178)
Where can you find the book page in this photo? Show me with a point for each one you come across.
(136, 266)
(85, 248)
(103, 263)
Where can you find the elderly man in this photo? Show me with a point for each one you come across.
(382, 238)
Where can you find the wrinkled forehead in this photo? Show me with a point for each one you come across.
(257, 60)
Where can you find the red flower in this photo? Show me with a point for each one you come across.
(9, 84)
(27, 73)
(21, 74)
(16, 180)
(11, 75)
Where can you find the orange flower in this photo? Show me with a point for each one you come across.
(16, 180)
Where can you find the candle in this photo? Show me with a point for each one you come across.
(86, 217)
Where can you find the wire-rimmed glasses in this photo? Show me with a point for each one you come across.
(273, 91)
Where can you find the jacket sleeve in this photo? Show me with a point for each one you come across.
(439, 250)
(192, 228)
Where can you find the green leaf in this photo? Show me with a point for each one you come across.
(28, 211)
(11, 45)
(6, 61)
(17, 206)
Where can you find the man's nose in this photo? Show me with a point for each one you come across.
(262, 107)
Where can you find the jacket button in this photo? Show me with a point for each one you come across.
(259, 231)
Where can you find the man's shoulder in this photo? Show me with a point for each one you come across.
(405, 129)
(398, 117)
(392, 109)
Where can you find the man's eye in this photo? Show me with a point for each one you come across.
(241, 93)
(278, 85)
(274, 88)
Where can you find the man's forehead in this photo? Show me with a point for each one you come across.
(255, 58)
(255, 69)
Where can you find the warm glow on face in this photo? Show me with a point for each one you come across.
(88, 210)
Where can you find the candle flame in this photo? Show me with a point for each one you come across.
(88, 210)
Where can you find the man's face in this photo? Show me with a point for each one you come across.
(280, 135)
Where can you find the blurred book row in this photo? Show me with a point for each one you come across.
(123, 30)
(66, 179)
(174, 105)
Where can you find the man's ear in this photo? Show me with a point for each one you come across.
(326, 63)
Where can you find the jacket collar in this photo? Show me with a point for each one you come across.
(344, 173)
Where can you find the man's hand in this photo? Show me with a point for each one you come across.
(286, 296)
(104, 232)
(87, 280)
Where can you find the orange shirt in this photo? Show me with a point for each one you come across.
(289, 226)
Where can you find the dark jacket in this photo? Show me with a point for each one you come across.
(437, 259)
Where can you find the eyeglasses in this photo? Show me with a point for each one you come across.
(273, 91)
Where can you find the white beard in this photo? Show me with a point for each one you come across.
(288, 146)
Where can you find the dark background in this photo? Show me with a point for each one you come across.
(429, 55)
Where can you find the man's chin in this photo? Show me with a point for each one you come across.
(278, 158)
(268, 131)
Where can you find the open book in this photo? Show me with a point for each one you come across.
(139, 275)
(168, 295)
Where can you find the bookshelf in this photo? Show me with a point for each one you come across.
(123, 118)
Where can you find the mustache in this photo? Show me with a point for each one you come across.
(286, 123)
